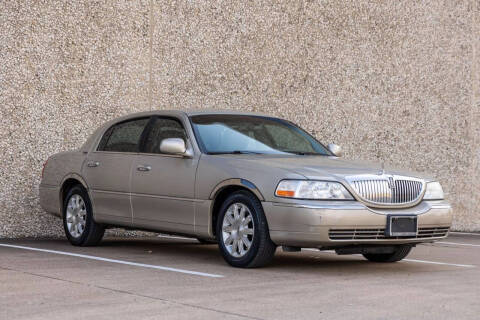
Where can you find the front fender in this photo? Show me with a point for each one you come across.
(236, 182)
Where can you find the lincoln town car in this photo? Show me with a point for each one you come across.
(249, 182)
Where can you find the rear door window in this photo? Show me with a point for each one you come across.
(124, 136)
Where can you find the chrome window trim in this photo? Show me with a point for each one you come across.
(189, 143)
(100, 136)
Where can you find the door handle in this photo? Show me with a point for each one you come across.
(93, 164)
(144, 168)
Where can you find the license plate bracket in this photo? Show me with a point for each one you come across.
(401, 226)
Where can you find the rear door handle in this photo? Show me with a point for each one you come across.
(93, 164)
(144, 168)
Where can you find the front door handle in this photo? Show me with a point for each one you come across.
(93, 164)
(144, 168)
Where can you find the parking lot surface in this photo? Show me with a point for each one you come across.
(178, 278)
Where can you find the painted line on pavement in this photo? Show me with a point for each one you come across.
(467, 233)
(143, 265)
(406, 260)
(440, 263)
(175, 237)
(458, 243)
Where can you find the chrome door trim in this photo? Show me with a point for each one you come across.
(164, 197)
(110, 192)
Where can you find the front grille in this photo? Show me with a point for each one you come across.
(375, 234)
(387, 190)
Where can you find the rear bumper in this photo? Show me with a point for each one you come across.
(49, 198)
(344, 223)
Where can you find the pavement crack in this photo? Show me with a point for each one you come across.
(139, 295)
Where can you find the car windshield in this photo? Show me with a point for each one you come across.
(221, 133)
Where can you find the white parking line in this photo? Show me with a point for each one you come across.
(151, 266)
(441, 263)
(467, 233)
(317, 250)
(174, 237)
(459, 244)
(406, 260)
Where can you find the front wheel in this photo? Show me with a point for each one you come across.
(399, 253)
(80, 228)
(242, 232)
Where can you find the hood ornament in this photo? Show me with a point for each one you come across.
(381, 173)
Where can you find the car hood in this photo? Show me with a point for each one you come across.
(323, 167)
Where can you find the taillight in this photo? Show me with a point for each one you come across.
(43, 169)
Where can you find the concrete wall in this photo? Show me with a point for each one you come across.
(395, 81)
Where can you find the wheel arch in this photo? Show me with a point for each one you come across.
(243, 183)
(68, 182)
(223, 190)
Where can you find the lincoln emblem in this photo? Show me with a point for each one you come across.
(391, 183)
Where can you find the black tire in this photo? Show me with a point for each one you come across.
(262, 248)
(399, 253)
(93, 232)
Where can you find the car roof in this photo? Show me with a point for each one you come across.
(189, 113)
(172, 113)
(217, 111)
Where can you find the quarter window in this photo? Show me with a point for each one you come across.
(123, 137)
(163, 128)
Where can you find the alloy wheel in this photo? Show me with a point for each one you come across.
(76, 216)
(238, 229)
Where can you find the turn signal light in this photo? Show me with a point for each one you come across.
(285, 193)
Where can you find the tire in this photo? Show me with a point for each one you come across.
(399, 253)
(80, 229)
(253, 230)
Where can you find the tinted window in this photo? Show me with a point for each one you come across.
(286, 139)
(253, 134)
(163, 128)
(123, 137)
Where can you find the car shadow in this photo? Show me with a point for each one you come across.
(305, 261)
(189, 252)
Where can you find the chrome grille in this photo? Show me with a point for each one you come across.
(375, 234)
(387, 190)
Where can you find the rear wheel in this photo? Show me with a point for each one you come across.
(80, 228)
(242, 232)
(399, 253)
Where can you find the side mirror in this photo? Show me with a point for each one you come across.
(335, 149)
(173, 146)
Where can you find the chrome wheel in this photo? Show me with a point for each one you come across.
(76, 215)
(237, 230)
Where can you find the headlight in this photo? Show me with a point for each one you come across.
(312, 190)
(434, 191)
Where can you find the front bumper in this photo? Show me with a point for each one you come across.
(342, 223)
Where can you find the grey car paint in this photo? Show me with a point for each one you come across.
(177, 194)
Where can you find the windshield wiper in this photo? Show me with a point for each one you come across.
(301, 153)
(236, 152)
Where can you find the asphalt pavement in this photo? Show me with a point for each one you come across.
(178, 278)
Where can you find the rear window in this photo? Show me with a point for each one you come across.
(123, 137)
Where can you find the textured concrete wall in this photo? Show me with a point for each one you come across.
(395, 81)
